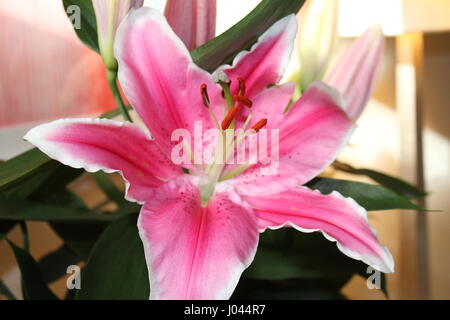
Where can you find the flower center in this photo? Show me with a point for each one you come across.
(228, 140)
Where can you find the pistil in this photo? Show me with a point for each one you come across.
(225, 147)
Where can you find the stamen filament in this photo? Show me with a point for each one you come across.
(247, 121)
(204, 94)
(206, 102)
(234, 172)
(188, 150)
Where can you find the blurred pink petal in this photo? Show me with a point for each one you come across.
(354, 74)
(194, 21)
(46, 71)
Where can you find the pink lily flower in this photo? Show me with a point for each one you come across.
(194, 21)
(200, 230)
(354, 74)
(109, 14)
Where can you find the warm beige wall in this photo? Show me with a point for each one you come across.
(382, 155)
(437, 159)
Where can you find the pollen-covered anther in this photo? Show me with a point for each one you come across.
(244, 100)
(241, 86)
(204, 94)
(229, 118)
(259, 125)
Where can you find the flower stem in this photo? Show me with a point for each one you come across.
(112, 80)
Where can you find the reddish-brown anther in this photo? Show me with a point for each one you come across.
(259, 125)
(242, 99)
(204, 94)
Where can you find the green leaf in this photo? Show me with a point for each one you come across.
(88, 28)
(22, 171)
(397, 185)
(371, 197)
(116, 268)
(21, 210)
(29, 173)
(105, 183)
(54, 265)
(244, 34)
(290, 254)
(32, 283)
(289, 289)
(63, 197)
(55, 184)
(276, 264)
(80, 237)
(5, 227)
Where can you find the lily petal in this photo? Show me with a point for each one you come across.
(311, 134)
(339, 219)
(194, 21)
(269, 103)
(355, 72)
(266, 61)
(159, 77)
(196, 252)
(272, 102)
(101, 144)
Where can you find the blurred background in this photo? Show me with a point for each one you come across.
(47, 73)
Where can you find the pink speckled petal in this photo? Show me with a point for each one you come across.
(269, 103)
(160, 79)
(265, 63)
(196, 252)
(101, 144)
(339, 219)
(311, 135)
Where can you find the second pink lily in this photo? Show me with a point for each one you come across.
(200, 230)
